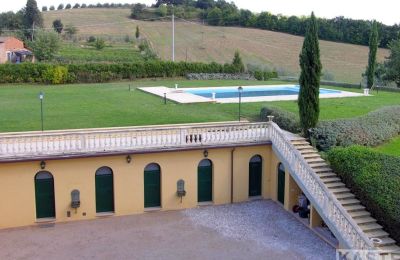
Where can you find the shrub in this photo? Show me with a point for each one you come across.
(55, 75)
(99, 44)
(375, 180)
(91, 39)
(372, 129)
(265, 75)
(286, 120)
(98, 72)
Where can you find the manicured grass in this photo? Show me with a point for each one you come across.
(111, 104)
(392, 147)
(80, 53)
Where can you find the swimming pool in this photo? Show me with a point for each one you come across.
(254, 91)
(231, 94)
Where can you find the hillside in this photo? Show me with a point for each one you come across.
(196, 42)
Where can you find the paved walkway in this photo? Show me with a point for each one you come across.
(254, 230)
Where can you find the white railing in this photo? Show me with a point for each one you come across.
(129, 138)
(333, 212)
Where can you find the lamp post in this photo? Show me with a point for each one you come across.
(240, 89)
(41, 96)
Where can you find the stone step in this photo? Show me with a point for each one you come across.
(318, 164)
(339, 190)
(302, 147)
(343, 196)
(300, 142)
(354, 207)
(321, 170)
(391, 248)
(387, 241)
(331, 179)
(350, 202)
(308, 151)
(314, 160)
(377, 234)
(359, 214)
(364, 220)
(370, 226)
(311, 155)
(337, 184)
(325, 175)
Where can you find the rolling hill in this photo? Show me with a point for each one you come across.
(197, 42)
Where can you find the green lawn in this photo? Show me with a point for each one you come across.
(108, 105)
(392, 147)
(80, 53)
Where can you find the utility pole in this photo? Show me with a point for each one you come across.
(33, 29)
(173, 33)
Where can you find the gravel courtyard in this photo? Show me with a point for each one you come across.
(252, 230)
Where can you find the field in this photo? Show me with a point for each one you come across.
(109, 105)
(195, 42)
(117, 52)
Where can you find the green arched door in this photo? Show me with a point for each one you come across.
(152, 186)
(281, 183)
(44, 195)
(204, 181)
(104, 190)
(255, 176)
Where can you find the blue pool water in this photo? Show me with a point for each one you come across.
(257, 91)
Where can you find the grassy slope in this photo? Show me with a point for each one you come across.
(106, 105)
(392, 147)
(204, 43)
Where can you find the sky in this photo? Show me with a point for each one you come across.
(385, 11)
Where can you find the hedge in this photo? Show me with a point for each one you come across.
(371, 129)
(95, 72)
(375, 179)
(284, 119)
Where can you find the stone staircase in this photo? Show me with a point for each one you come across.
(347, 199)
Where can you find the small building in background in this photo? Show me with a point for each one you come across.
(12, 50)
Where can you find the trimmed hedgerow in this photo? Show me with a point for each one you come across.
(95, 72)
(371, 129)
(285, 119)
(375, 180)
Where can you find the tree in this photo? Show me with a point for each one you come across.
(392, 65)
(214, 17)
(60, 7)
(99, 44)
(83, 6)
(311, 68)
(58, 26)
(44, 8)
(137, 33)
(76, 6)
(137, 10)
(238, 63)
(46, 45)
(68, 6)
(373, 47)
(52, 8)
(32, 15)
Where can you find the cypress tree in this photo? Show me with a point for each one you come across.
(32, 15)
(137, 33)
(373, 47)
(311, 68)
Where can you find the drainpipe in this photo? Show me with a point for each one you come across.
(233, 150)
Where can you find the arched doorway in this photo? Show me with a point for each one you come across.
(152, 186)
(104, 190)
(281, 183)
(44, 195)
(204, 181)
(255, 176)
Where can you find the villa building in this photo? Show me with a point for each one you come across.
(12, 50)
(59, 176)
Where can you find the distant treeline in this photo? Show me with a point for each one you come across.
(222, 13)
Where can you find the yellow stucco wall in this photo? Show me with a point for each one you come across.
(17, 190)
